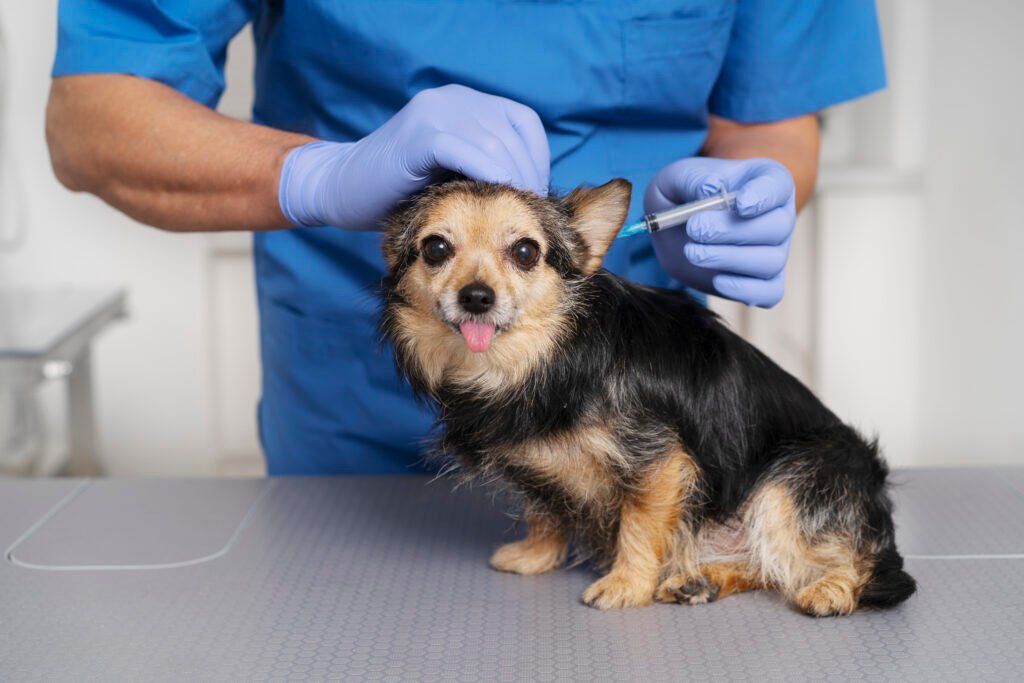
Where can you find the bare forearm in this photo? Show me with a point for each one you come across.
(792, 142)
(162, 158)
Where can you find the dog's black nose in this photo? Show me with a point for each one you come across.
(476, 297)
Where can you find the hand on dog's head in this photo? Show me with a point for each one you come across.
(472, 263)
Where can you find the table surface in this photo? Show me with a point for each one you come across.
(33, 323)
(386, 579)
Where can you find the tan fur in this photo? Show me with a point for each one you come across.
(600, 212)
(532, 304)
(648, 522)
(682, 556)
(481, 233)
(730, 577)
(544, 548)
(823, 575)
(766, 548)
(580, 462)
(713, 582)
(828, 596)
(766, 545)
(441, 352)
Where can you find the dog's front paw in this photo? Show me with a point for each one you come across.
(618, 590)
(526, 557)
(690, 590)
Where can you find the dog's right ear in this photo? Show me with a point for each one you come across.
(398, 245)
(597, 215)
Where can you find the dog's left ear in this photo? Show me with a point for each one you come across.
(597, 215)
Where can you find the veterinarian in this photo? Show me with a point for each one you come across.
(359, 104)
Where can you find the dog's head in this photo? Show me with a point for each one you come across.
(483, 276)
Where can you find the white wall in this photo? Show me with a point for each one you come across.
(869, 227)
(159, 375)
(917, 319)
(972, 317)
(931, 354)
(920, 327)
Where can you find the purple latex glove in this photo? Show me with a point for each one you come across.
(739, 254)
(453, 128)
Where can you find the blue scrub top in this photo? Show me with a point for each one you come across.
(623, 89)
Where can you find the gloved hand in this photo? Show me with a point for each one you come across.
(452, 128)
(739, 254)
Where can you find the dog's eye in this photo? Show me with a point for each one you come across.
(436, 250)
(525, 253)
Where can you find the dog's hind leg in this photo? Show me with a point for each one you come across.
(648, 521)
(730, 577)
(710, 582)
(835, 593)
(819, 526)
(544, 548)
(823, 574)
(724, 568)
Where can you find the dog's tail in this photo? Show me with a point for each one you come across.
(889, 585)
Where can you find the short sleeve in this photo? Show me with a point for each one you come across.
(792, 57)
(180, 43)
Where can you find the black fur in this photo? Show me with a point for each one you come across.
(661, 368)
(889, 585)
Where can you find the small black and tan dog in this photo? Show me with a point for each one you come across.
(630, 421)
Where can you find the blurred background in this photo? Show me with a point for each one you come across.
(903, 309)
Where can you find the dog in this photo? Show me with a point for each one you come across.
(631, 423)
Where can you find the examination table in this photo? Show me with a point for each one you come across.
(386, 578)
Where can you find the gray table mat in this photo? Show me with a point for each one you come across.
(386, 579)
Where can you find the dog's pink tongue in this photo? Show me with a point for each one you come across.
(477, 335)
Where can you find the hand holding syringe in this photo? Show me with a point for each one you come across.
(739, 253)
(678, 215)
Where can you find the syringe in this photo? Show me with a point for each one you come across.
(677, 215)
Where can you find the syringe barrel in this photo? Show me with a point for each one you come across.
(678, 215)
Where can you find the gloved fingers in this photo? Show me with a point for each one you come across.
(749, 290)
(531, 179)
(760, 262)
(500, 141)
(769, 187)
(680, 183)
(517, 126)
(462, 156)
(720, 227)
(528, 125)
